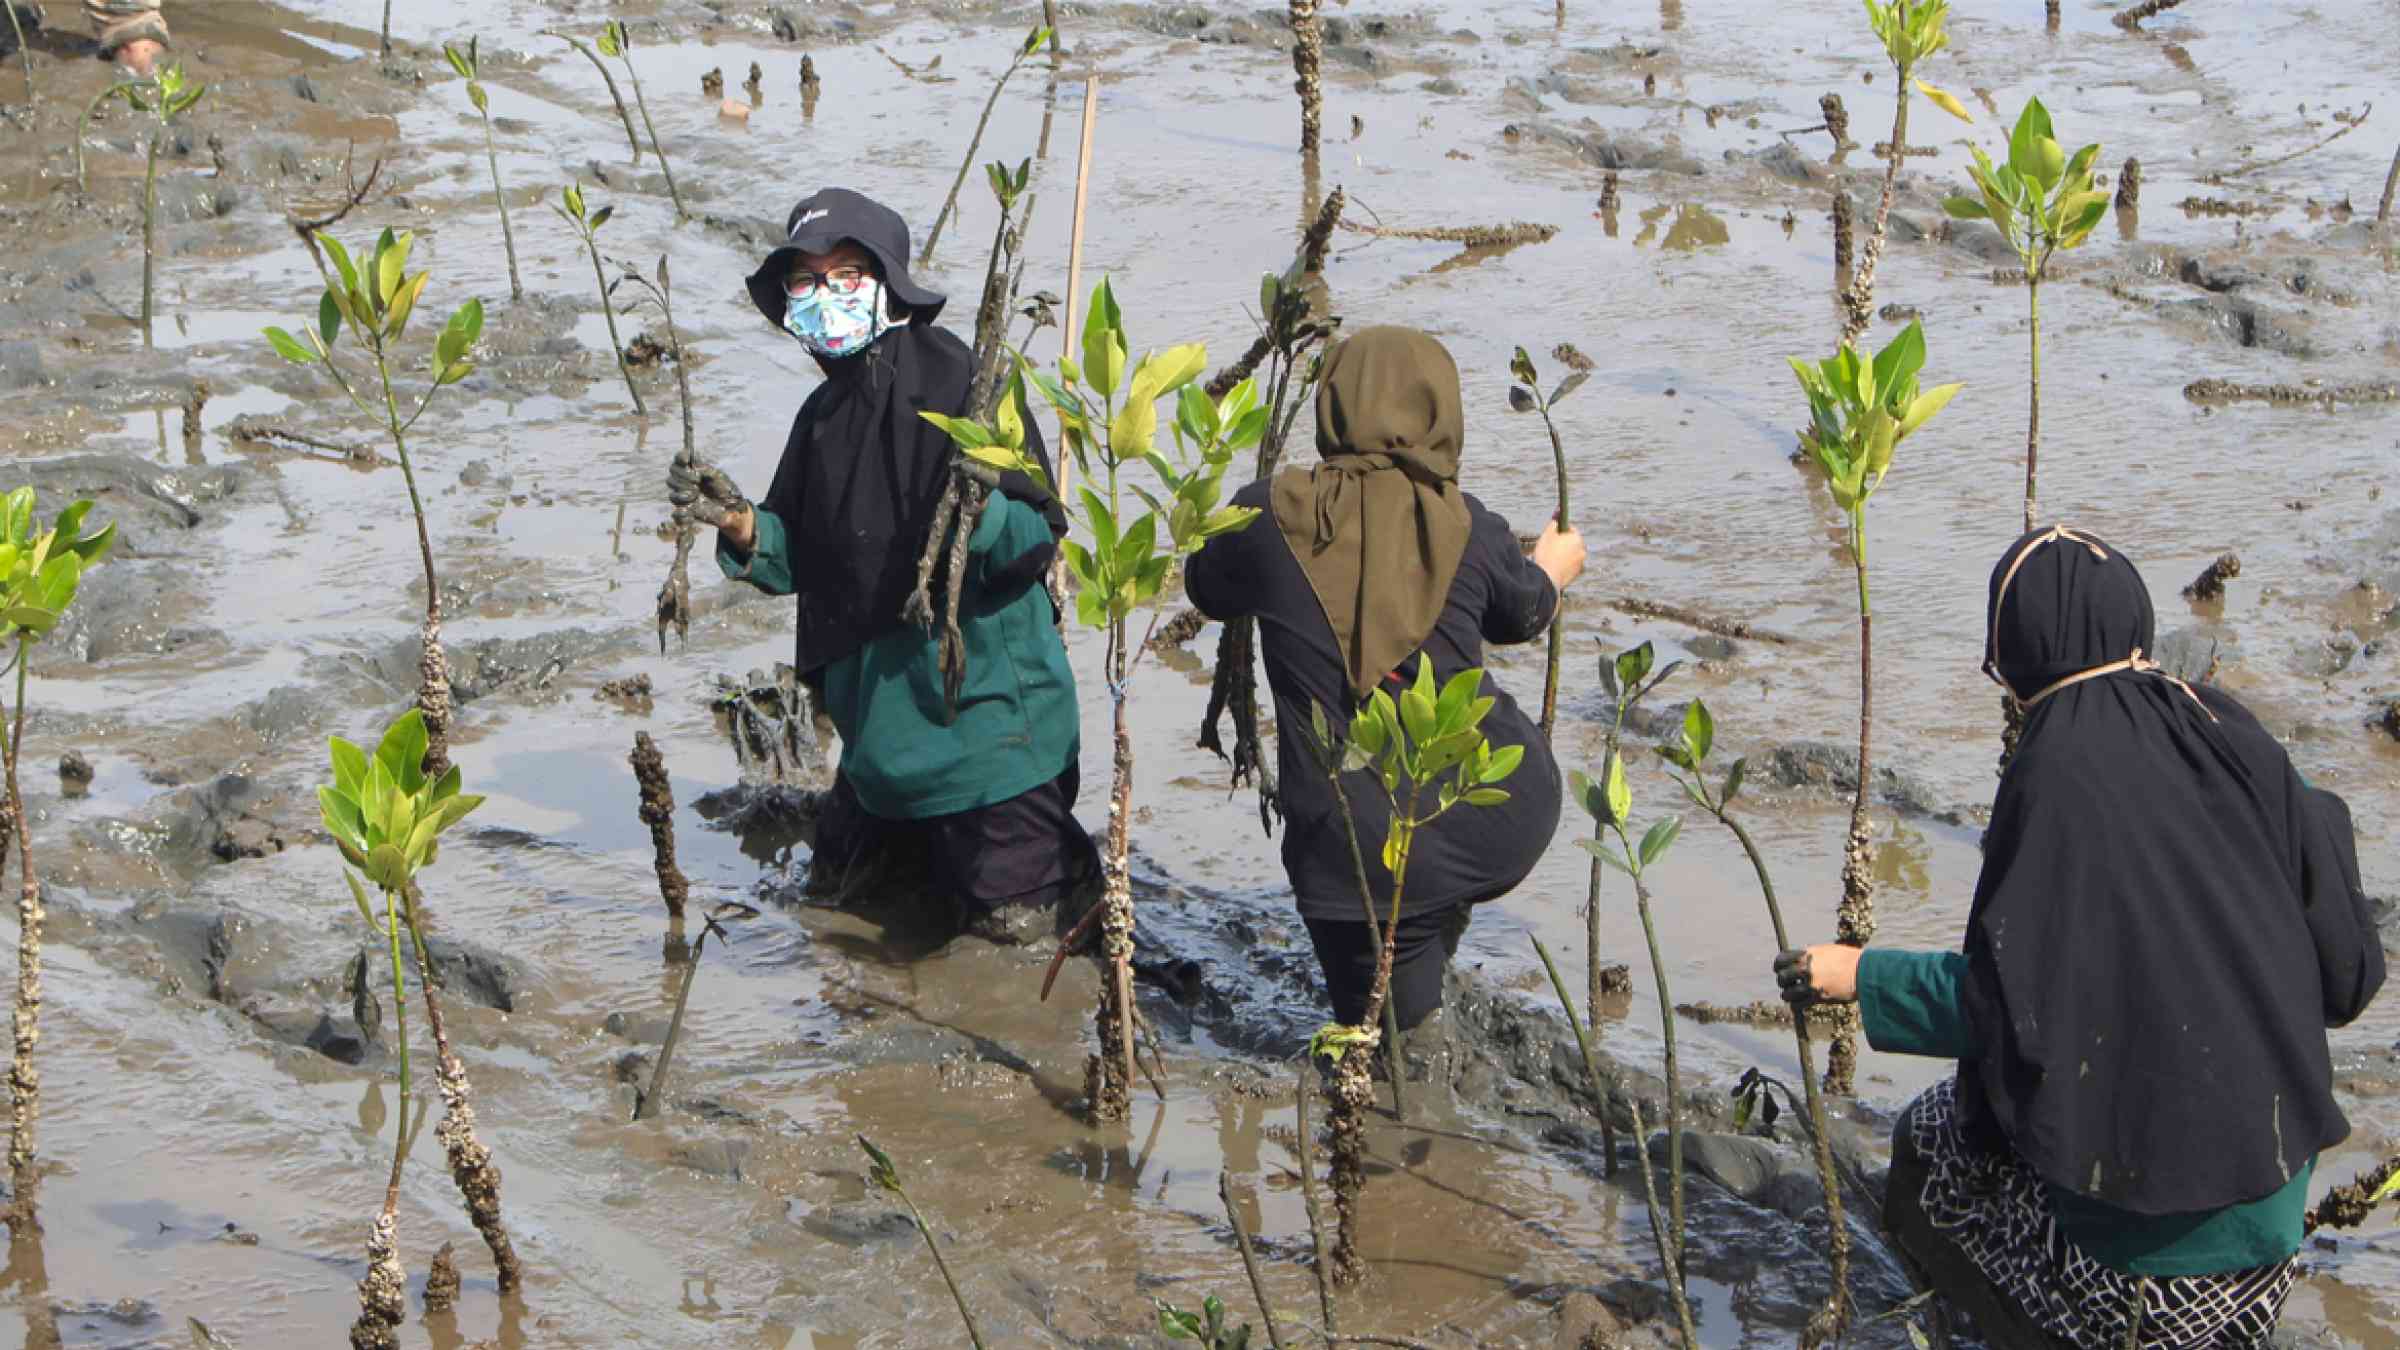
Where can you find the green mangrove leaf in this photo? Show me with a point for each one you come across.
(601, 217)
(289, 349)
(880, 1169)
(1924, 407)
(1619, 793)
(1568, 386)
(1733, 780)
(1503, 762)
(1520, 365)
(402, 751)
(387, 867)
(1660, 838)
(458, 61)
(1966, 208)
(1485, 796)
(1599, 849)
(2025, 153)
(1945, 101)
(1699, 730)
(358, 894)
(404, 303)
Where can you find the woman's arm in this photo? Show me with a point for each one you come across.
(1909, 1002)
(757, 553)
(2333, 900)
(1524, 590)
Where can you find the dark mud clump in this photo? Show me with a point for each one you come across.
(2210, 584)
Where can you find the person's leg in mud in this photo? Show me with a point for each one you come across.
(1938, 1263)
(852, 847)
(133, 33)
(1014, 866)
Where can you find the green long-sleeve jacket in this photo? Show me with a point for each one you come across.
(1017, 725)
(1909, 1003)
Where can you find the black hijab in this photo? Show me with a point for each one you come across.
(2167, 918)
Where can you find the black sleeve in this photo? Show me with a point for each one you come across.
(1220, 580)
(1522, 600)
(2334, 901)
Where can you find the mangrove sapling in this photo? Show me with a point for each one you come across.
(1429, 740)
(1670, 1259)
(1292, 327)
(1331, 756)
(2042, 202)
(1108, 416)
(464, 63)
(646, 1104)
(1690, 754)
(375, 301)
(387, 816)
(886, 1177)
(1033, 43)
(624, 115)
(586, 224)
(1526, 396)
(165, 97)
(39, 575)
(1208, 1325)
(1610, 804)
(1628, 678)
(1859, 412)
(617, 41)
(1911, 31)
(675, 593)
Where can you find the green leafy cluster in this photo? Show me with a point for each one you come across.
(1910, 30)
(384, 814)
(614, 40)
(1690, 754)
(1431, 737)
(882, 1173)
(1008, 184)
(1526, 394)
(1861, 409)
(1206, 1326)
(39, 573)
(464, 62)
(1628, 678)
(2041, 199)
(169, 94)
(376, 301)
(1108, 416)
(586, 222)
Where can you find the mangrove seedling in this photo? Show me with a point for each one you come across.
(2042, 202)
(39, 575)
(1609, 802)
(387, 816)
(1206, 1326)
(1526, 396)
(886, 1178)
(617, 41)
(1108, 416)
(675, 594)
(464, 63)
(1911, 31)
(586, 223)
(1033, 42)
(1670, 1260)
(1689, 753)
(646, 1104)
(1292, 326)
(1331, 756)
(374, 301)
(1628, 677)
(1859, 412)
(1428, 743)
(165, 96)
(632, 138)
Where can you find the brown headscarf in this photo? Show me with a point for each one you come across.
(1380, 525)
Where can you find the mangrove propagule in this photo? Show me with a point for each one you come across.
(658, 812)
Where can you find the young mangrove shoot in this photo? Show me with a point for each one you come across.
(1427, 752)
(1628, 678)
(464, 62)
(374, 299)
(1689, 753)
(624, 115)
(586, 223)
(1609, 802)
(1859, 412)
(1331, 756)
(617, 41)
(1207, 1326)
(1526, 396)
(1911, 31)
(387, 816)
(1108, 415)
(886, 1177)
(645, 1104)
(674, 594)
(1034, 42)
(165, 97)
(39, 575)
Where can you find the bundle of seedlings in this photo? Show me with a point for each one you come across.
(1427, 752)
(1294, 327)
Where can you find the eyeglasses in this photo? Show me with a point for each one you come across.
(841, 281)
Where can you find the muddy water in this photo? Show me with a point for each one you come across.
(742, 1217)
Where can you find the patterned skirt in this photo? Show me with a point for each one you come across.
(1996, 1209)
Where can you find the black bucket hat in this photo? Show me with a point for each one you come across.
(819, 224)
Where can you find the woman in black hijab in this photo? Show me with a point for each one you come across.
(1367, 560)
(982, 789)
(2167, 921)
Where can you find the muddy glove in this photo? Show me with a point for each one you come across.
(1791, 978)
(703, 491)
(1825, 973)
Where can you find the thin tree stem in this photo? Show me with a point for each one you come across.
(391, 921)
(661, 151)
(1366, 895)
(2383, 213)
(24, 1080)
(647, 1106)
(1558, 617)
(508, 238)
(149, 232)
(2033, 419)
(974, 144)
(1308, 1195)
(1241, 1237)
(974, 1334)
(632, 138)
(1666, 1016)
(408, 475)
(609, 312)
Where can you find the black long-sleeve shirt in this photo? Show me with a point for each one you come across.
(1473, 853)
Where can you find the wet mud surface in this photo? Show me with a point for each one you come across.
(217, 1045)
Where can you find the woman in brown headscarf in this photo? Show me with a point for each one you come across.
(1372, 557)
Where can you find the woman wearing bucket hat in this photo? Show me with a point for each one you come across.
(982, 792)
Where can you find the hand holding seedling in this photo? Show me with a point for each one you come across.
(709, 496)
(1560, 553)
